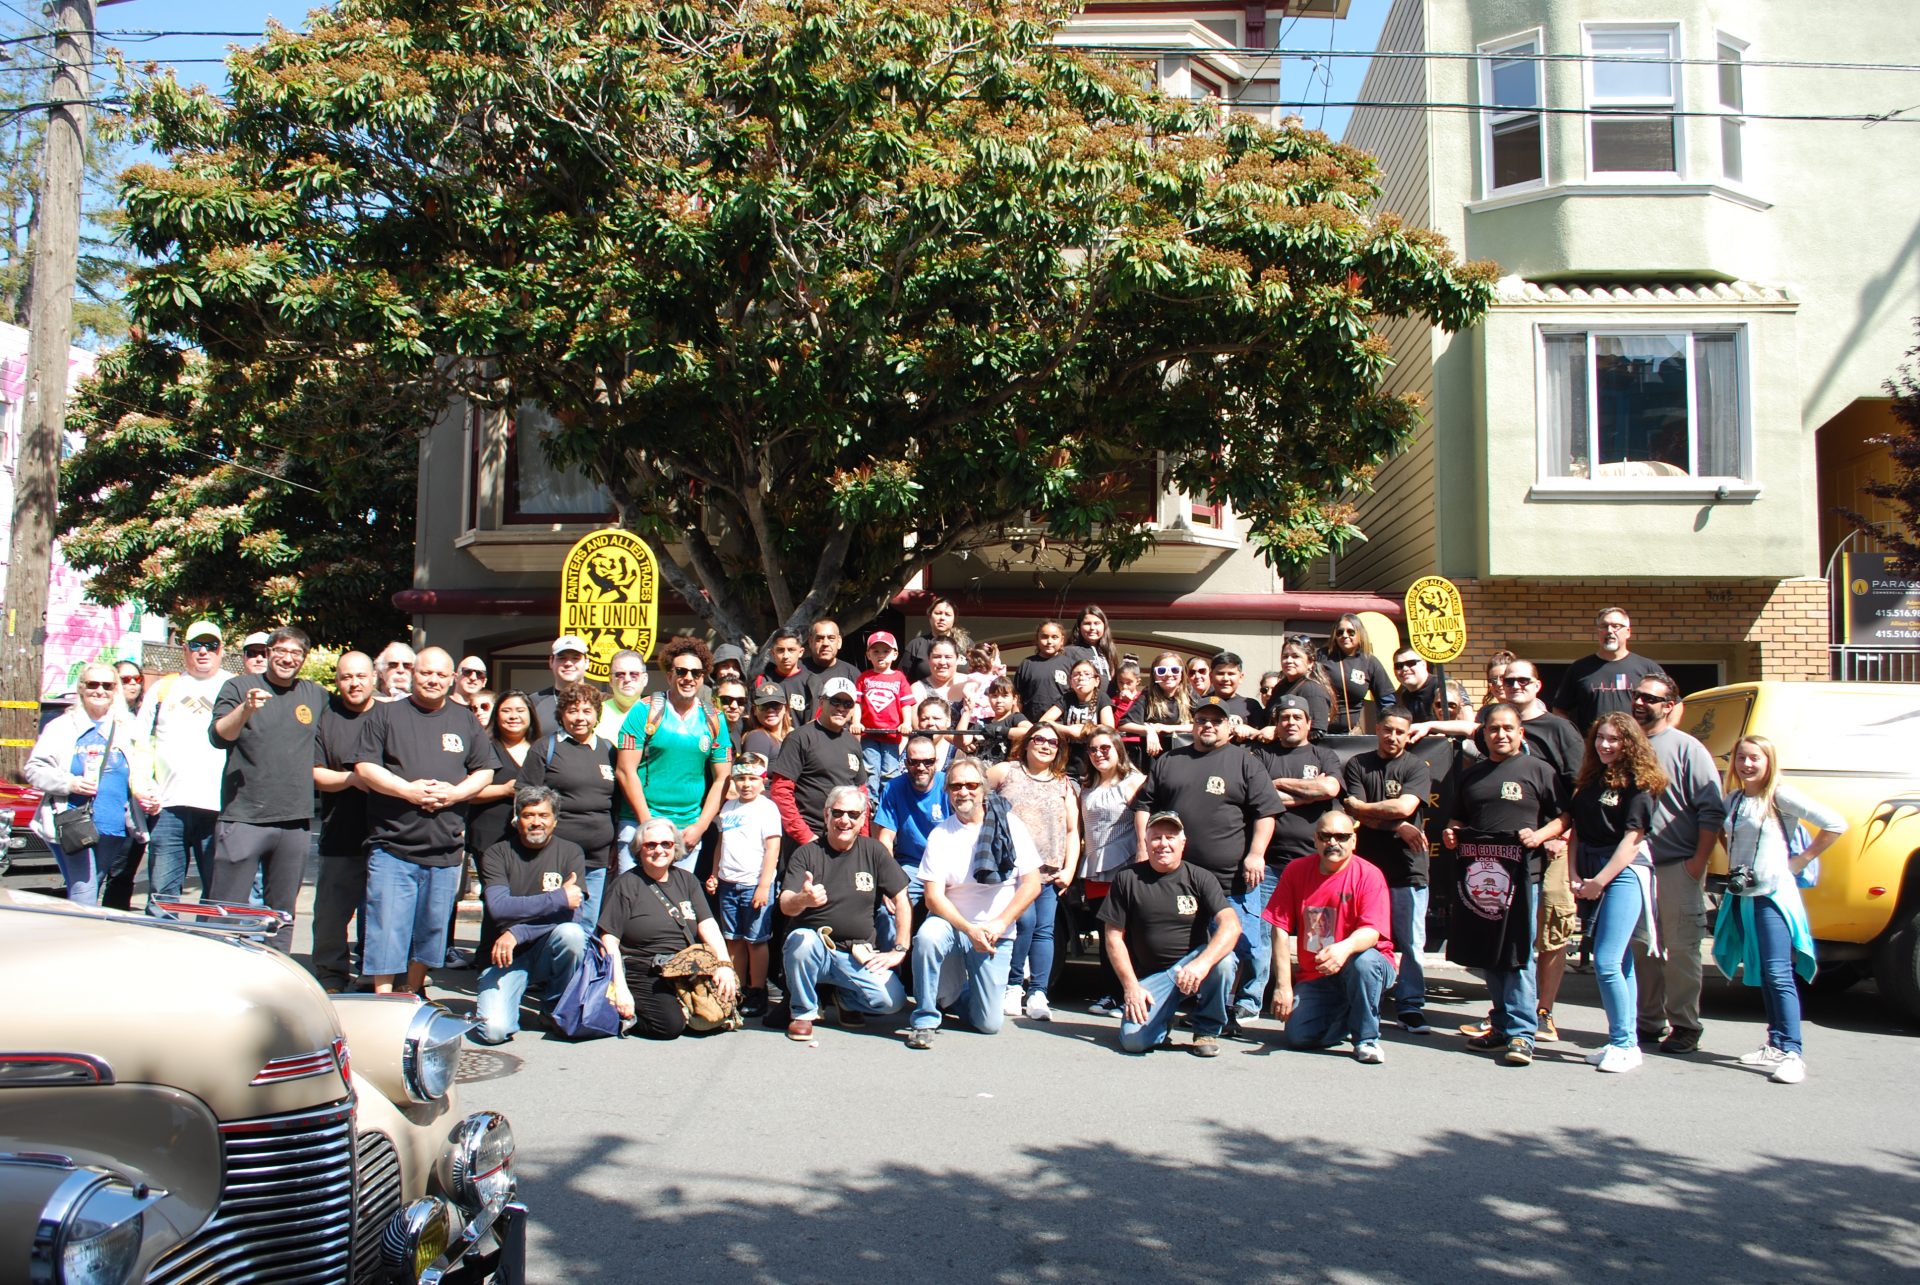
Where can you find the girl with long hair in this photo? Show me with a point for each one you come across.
(1300, 676)
(1093, 640)
(1106, 825)
(1353, 671)
(1163, 715)
(1038, 790)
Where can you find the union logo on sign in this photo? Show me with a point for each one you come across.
(610, 597)
(1436, 619)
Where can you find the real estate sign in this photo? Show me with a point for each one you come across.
(1883, 608)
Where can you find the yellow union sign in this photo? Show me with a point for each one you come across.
(610, 597)
(1436, 620)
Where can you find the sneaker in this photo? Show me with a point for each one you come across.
(775, 995)
(1038, 1009)
(1487, 1041)
(1681, 1042)
(1547, 1031)
(458, 958)
(1766, 1055)
(1369, 1052)
(1245, 1012)
(1014, 1004)
(1105, 1006)
(920, 1037)
(1477, 1030)
(1519, 1052)
(1616, 1060)
(1792, 1069)
(1414, 1024)
(800, 1029)
(1205, 1046)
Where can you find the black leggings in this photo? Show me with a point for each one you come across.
(657, 1014)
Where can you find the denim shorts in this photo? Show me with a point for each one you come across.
(407, 911)
(739, 921)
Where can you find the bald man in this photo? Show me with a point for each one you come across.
(342, 887)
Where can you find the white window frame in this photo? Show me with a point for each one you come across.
(1490, 116)
(1732, 116)
(1549, 484)
(1672, 106)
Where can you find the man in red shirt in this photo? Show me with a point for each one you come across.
(1341, 912)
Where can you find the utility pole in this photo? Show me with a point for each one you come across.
(50, 318)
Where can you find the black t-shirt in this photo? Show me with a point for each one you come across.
(414, 744)
(1075, 714)
(816, 676)
(1490, 923)
(1517, 793)
(1310, 690)
(1041, 684)
(1601, 814)
(645, 927)
(1592, 687)
(856, 881)
(817, 762)
(1075, 652)
(794, 686)
(489, 823)
(343, 813)
(1419, 701)
(995, 742)
(1218, 795)
(1351, 678)
(269, 774)
(1549, 737)
(913, 658)
(1162, 917)
(1293, 828)
(582, 775)
(759, 741)
(1246, 710)
(1374, 779)
(534, 877)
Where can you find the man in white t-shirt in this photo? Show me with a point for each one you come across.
(187, 766)
(970, 921)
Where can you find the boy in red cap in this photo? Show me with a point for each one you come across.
(885, 697)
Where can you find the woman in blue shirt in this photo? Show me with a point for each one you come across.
(88, 754)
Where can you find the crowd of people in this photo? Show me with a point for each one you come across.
(918, 834)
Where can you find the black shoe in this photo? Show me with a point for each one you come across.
(1487, 1041)
(776, 1016)
(1681, 1042)
(847, 1019)
(755, 1002)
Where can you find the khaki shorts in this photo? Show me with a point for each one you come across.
(1559, 916)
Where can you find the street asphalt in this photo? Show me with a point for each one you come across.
(1044, 1154)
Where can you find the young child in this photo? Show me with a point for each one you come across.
(742, 882)
(995, 738)
(935, 717)
(1041, 679)
(1083, 709)
(885, 695)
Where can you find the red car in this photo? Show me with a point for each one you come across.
(17, 806)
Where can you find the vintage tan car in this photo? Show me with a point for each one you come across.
(181, 1104)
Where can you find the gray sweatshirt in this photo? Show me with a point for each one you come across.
(1691, 804)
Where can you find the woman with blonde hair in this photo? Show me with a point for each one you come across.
(1762, 932)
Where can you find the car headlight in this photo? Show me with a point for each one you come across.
(431, 1053)
(482, 1146)
(416, 1238)
(90, 1230)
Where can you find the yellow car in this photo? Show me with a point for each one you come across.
(1856, 748)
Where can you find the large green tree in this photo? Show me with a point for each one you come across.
(820, 290)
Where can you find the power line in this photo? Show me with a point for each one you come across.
(1439, 55)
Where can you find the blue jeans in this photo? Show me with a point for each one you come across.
(89, 871)
(1779, 991)
(596, 886)
(739, 921)
(549, 962)
(1410, 938)
(883, 762)
(1254, 951)
(1208, 1005)
(810, 963)
(1614, 919)
(1346, 1005)
(884, 935)
(1515, 992)
(407, 911)
(981, 1001)
(1032, 960)
(179, 835)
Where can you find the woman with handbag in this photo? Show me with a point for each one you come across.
(651, 914)
(96, 792)
(1762, 931)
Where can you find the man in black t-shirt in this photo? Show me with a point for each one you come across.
(1603, 683)
(1506, 793)
(342, 886)
(422, 759)
(1227, 804)
(822, 665)
(1386, 788)
(830, 890)
(267, 723)
(1306, 777)
(534, 887)
(818, 757)
(1169, 934)
(1418, 692)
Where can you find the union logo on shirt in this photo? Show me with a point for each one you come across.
(302, 714)
(1510, 791)
(451, 742)
(1186, 905)
(550, 881)
(1393, 789)
(853, 762)
(1609, 798)
(1216, 785)
(1308, 772)
(862, 881)
(606, 771)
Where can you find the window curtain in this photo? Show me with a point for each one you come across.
(1564, 413)
(542, 488)
(1716, 399)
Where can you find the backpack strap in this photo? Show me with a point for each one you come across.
(552, 742)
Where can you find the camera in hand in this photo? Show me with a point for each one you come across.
(1741, 881)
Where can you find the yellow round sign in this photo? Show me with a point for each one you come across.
(1859, 588)
(610, 597)
(1436, 620)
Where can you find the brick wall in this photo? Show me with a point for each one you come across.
(1773, 629)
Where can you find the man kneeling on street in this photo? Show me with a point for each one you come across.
(1169, 932)
(532, 885)
(830, 890)
(1338, 910)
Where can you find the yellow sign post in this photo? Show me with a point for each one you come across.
(610, 597)
(1436, 620)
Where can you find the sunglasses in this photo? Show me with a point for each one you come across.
(99, 687)
(1044, 740)
(204, 644)
(628, 675)
(919, 762)
(1164, 670)
(254, 653)
(1100, 747)
(845, 814)
(131, 678)
(1338, 836)
(841, 702)
(733, 700)
(1406, 664)
(658, 845)
(954, 787)
(473, 673)
(1518, 682)
(1648, 698)
(688, 671)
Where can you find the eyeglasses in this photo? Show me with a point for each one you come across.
(1406, 664)
(204, 644)
(99, 687)
(1100, 747)
(841, 702)
(955, 787)
(1164, 670)
(1610, 628)
(1043, 740)
(628, 675)
(658, 845)
(392, 664)
(473, 673)
(292, 653)
(1648, 698)
(919, 762)
(1522, 681)
(845, 814)
(1338, 836)
(733, 700)
(688, 671)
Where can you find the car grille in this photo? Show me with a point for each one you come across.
(286, 1205)
(380, 1199)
